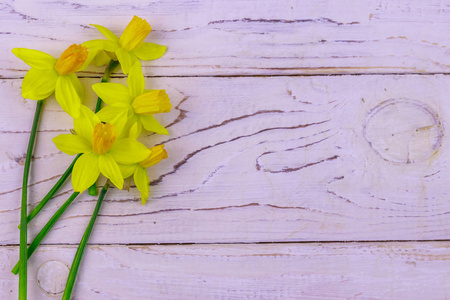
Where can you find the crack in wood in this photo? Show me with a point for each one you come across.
(258, 165)
(32, 184)
(229, 121)
(288, 170)
(192, 154)
(28, 131)
(13, 11)
(283, 21)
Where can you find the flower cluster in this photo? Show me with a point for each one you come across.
(105, 140)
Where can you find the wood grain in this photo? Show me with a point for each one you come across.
(241, 38)
(282, 271)
(261, 160)
(266, 155)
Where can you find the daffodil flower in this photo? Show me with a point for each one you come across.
(101, 147)
(48, 75)
(139, 104)
(139, 170)
(130, 46)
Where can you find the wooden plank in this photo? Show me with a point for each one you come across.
(283, 271)
(259, 159)
(244, 38)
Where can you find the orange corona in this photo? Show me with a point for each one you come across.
(103, 138)
(71, 59)
(158, 153)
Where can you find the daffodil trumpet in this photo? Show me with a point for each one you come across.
(40, 236)
(24, 205)
(80, 250)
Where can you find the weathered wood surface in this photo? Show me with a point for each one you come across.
(251, 159)
(280, 271)
(262, 160)
(246, 37)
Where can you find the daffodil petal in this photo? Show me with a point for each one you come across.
(109, 113)
(135, 130)
(142, 183)
(110, 169)
(147, 51)
(106, 32)
(150, 124)
(97, 57)
(134, 59)
(119, 122)
(35, 58)
(101, 44)
(67, 96)
(84, 125)
(92, 53)
(132, 120)
(85, 172)
(101, 59)
(129, 151)
(124, 58)
(135, 80)
(112, 93)
(127, 170)
(39, 84)
(72, 144)
(77, 85)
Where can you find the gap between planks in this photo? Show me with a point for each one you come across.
(245, 243)
(118, 76)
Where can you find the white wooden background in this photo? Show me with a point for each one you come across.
(308, 153)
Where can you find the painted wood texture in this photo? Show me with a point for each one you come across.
(246, 37)
(262, 160)
(279, 271)
(291, 156)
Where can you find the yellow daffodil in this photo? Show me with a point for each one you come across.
(102, 149)
(130, 46)
(48, 75)
(139, 170)
(137, 103)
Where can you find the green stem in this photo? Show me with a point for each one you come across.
(53, 191)
(24, 205)
(78, 256)
(112, 65)
(38, 239)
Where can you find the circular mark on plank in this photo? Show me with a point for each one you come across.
(403, 131)
(52, 276)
